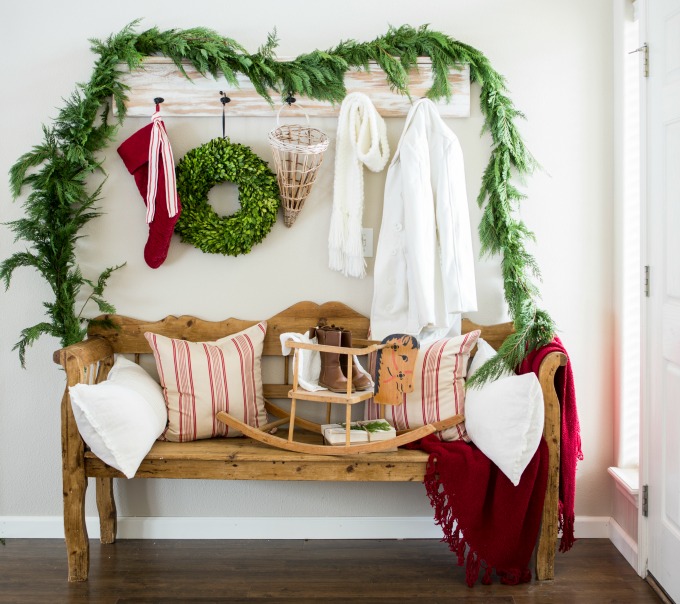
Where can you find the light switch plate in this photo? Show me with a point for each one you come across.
(367, 242)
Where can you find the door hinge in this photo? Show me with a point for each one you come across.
(645, 500)
(645, 50)
(647, 281)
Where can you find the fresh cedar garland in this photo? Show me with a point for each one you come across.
(56, 171)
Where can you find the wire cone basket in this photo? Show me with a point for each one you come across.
(298, 153)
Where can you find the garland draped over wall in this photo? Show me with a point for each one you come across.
(56, 171)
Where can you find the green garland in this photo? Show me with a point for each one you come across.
(56, 171)
(218, 161)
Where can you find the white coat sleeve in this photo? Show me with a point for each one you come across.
(454, 235)
(420, 229)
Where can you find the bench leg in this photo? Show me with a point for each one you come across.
(106, 504)
(75, 531)
(74, 487)
(547, 539)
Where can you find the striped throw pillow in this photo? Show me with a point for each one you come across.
(201, 378)
(439, 387)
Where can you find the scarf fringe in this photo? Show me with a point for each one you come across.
(454, 537)
(335, 259)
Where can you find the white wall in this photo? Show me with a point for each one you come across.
(557, 59)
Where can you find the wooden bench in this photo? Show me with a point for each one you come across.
(241, 458)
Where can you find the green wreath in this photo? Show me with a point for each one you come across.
(220, 160)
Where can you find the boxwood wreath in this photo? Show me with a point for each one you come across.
(220, 160)
(60, 200)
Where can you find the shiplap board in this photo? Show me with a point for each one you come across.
(199, 96)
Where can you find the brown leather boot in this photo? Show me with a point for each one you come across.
(331, 375)
(359, 380)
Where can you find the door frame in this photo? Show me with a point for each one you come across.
(645, 428)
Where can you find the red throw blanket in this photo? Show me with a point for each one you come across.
(570, 437)
(489, 523)
(481, 511)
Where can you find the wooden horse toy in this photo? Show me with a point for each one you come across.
(395, 360)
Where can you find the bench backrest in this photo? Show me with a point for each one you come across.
(128, 337)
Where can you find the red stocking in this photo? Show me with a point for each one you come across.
(135, 155)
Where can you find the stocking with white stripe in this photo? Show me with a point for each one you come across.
(148, 157)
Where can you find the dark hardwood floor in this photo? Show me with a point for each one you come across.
(204, 572)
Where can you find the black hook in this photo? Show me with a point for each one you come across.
(290, 99)
(224, 99)
(158, 100)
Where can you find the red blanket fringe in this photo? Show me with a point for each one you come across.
(487, 522)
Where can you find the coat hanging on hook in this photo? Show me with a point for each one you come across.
(147, 155)
(424, 274)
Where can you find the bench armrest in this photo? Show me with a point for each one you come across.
(77, 357)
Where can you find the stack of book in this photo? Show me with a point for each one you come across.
(360, 432)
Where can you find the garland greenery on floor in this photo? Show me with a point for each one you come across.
(55, 173)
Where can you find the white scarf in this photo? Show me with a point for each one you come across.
(361, 139)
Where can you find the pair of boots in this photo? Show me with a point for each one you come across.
(334, 365)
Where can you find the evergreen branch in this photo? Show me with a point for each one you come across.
(28, 336)
(103, 323)
(8, 266)
(268, 48)
(32, 159)
(98, 291)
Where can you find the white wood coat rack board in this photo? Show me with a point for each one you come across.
(198, 95)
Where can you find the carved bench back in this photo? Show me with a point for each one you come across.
(129, 338)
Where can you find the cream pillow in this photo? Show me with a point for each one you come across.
(504, 418)
(120, 418)
(199, 379)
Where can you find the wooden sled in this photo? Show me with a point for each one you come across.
(396, 357)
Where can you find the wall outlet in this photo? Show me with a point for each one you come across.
(367, 242)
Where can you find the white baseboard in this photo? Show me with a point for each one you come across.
(591, 527)
(407, 527)
(624, 543)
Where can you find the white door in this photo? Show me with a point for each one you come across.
(662, 366)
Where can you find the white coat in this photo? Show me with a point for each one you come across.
(424, 266)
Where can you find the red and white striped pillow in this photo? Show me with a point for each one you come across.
(438, 387)
(201, 378)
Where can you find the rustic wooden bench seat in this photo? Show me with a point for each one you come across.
(241, 458)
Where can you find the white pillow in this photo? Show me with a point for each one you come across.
(504, 419)
(120, 418)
